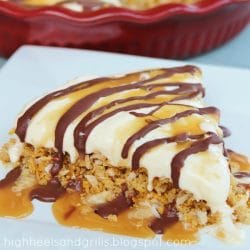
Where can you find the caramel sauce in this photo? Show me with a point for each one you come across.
(177, 233)
(15, 205)
(239, 161)
(190, 124)
(68, 213)
(170, 110)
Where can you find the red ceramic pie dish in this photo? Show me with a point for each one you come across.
(171, 30)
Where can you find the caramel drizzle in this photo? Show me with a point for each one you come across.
(84, 128)
(78, 133)
(23, 121)
(85, 103)
(156, 124)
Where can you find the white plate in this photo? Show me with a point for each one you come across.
(33, 71)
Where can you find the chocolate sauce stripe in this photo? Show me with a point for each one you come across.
(168, 217)
(226, 131)
(138, 114)
(186, 97)
(146, 147)
(81, 136)
(87, 119)
(170, 102)
(116, 206)
(135, 98)
(153, 125)
(11, 177)
(197, 147)
(48, 193)
(184, 88)
(83, 104)
(23, 121)
(241, 175)
(100, 110)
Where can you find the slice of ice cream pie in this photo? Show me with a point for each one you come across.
(134, 154)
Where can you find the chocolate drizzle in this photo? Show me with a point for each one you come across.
(196, 147)
(93, 114)
(86, 102)
(11, 177)
(23, 121)
(169, 216)
(156, 124)
(81, 138)
(49, 193)
(241, 175)
(57, 164)
(144, 148)
(75, 185)
(226, 131)
(115, 207)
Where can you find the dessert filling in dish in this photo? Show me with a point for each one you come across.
(137, 154)
(81, 5)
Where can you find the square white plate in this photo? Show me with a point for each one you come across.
(33, 70)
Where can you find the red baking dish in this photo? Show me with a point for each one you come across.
(171, 30)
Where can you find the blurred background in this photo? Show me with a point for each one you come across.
(235, 53)
(205, 31)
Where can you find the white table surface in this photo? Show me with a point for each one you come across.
(235, 53)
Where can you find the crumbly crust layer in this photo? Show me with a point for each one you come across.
(100, 182)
